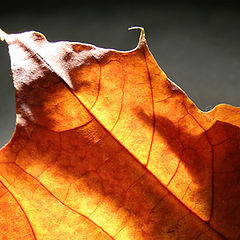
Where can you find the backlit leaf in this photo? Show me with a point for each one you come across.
(107, 147)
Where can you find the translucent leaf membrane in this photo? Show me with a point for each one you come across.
(107, 147)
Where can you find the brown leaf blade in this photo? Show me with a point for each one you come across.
(106, 147)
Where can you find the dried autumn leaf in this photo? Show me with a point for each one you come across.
(107, 147)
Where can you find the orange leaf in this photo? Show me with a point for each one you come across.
(107, 147)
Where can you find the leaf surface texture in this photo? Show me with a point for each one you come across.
(107, 147)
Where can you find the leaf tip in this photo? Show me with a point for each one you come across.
(142, 39)
(3, 35)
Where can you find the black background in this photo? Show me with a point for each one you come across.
(196, 43)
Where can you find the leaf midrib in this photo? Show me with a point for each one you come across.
(41, 58)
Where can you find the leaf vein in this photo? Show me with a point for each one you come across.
(18, 203)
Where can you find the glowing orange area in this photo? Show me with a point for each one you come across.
(107, 147)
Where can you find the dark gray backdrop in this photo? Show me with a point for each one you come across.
(197, 45)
